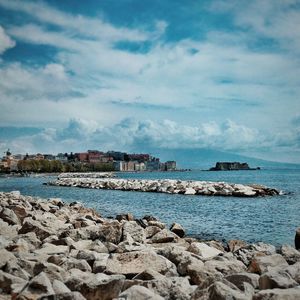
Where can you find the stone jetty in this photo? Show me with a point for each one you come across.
(87, 175)
(53, 250)
(169, 186)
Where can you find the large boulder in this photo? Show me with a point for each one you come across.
(135, 231)
(239, 279)
(290, 254)
(276, 279)
(133, 263)
(203, 250)
(5, 257)
(8, 216)
(95, 286)
(7, 280)
(278, 294)
(164, 236)
(178, 229)
(138, 292)
(31, 225)
(262, 264)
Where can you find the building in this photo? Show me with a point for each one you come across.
(117, 156)
(170, 165)
(153, 164)
(139, 157)
(82, 156)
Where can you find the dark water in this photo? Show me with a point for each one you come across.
(270, 219)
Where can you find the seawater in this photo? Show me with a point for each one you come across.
(270, 219)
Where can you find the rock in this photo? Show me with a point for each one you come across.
(239, 279)
(51, 270)
(96, 245)
(125, 217)
(8, 216)
(14, 269)
(50, 249)
(150, 231)
(7, 280)
(70, 263)
(139, 292)
(278, 294)
(164, 236)
(274, 279)
(226, 264)
(63, 296)
(190, 191)
(133, 263)
(6, 257)
(261, 264)
(136, 231)
(178, 230)
(290, 254)
(204, 251)
(297, 239)
(156, 223)
(95, 286)
(235, 245)
(221, 291)
(99, 265)
(39, 285)
(149, 274)
(59, 287)
(31, 225)
(293, 270)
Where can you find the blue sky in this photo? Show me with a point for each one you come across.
(222, 75)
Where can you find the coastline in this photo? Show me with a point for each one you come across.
(68, 250)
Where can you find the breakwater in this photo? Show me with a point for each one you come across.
(53, 250)
(189, 187)
(87, 175)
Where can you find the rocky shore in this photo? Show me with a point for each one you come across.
(169, 186)
(53, 250)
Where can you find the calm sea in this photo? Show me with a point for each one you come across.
(270, 219)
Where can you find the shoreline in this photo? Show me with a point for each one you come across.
(68, 251)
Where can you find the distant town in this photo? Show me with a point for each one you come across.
(91, 160)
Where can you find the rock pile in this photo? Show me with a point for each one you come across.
(88, 175)
(53, 250)
(169, 186)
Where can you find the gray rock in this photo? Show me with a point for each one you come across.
(239, 279)
(70, 263)
(31, 225)
(262, 264)
(133, 263)
(273, 279)
(178, 230)
(99, 265)
(164, 236)
(221, 291)
(290, 254)
(278, 294)
(149, 274)
(51, 270)
(59, 287)
(135, 231)
(64, 296)
(157, 224)
(235, 245)
(6, 257)
(39, 285)
(14, 269)
(96, 245)
(7, 280)
(50, 249)
(203, 250)
(150, 231)
(95, 286)
(8, 216)
(19, 211)
(139, 292)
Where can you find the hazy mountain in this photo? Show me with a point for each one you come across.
(206, 158)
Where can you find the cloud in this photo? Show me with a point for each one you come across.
(5, 41)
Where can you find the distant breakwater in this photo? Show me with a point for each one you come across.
(205, 188)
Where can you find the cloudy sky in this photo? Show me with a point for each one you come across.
(111, 74)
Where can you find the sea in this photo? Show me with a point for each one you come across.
(268, 219)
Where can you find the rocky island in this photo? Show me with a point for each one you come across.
(190, 187)
(231, 166)
(53, 250)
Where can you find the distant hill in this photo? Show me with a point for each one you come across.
(206, 158)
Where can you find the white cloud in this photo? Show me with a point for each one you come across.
(5, 41)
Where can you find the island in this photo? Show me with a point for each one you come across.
(232, 166)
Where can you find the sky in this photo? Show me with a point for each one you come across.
(127, 74)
